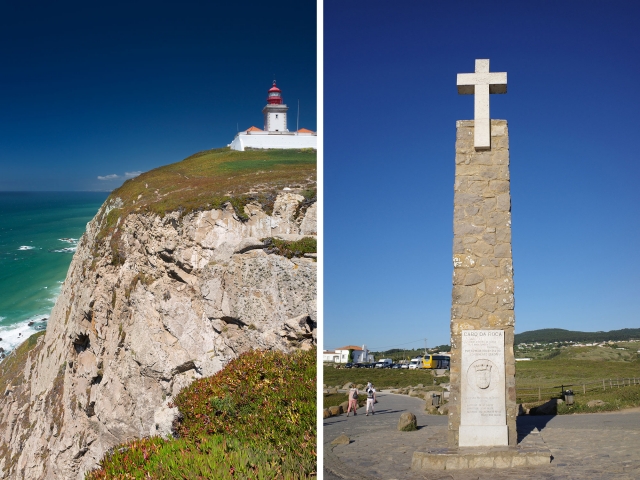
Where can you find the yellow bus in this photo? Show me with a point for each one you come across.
(435, 361)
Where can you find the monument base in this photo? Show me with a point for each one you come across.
(530, 452)
(483, 436)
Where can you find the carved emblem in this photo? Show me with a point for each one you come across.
(483, 374)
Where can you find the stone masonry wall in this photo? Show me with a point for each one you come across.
(482, 296)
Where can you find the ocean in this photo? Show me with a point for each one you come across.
(39, 232)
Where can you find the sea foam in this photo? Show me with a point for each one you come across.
(26, 247)
(14, 335)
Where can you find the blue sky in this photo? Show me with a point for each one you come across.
(93, 90)
(390, 107)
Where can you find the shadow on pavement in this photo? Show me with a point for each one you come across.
(526, 423)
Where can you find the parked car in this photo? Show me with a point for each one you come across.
(348, 365)
(396, 365)
(384, 363)
(405, 365)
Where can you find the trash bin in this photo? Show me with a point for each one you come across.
(568, 397)
(435, 399)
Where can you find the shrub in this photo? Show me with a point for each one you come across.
(263, 397)
(256, 418)
(214, 456)
(291, 249)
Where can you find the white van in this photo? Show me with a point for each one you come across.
(415, 363)
(384, 363)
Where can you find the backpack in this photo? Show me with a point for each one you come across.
(355, 395)
(370, 393)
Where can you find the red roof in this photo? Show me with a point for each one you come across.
(305, 130)
(349, 347)
(254, 129)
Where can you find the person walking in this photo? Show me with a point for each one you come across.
(353, 400)
(371, 398)
(370, 385)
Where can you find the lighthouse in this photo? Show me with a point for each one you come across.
(275, 113)
(275, 133)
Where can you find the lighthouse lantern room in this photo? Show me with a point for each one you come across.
(275, 112)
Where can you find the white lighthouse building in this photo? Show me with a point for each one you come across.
(275, 133)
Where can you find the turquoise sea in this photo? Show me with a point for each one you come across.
(38, 236)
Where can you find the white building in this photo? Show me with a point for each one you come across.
(341, 355)
(275, 133)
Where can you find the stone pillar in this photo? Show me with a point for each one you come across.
(482, 265)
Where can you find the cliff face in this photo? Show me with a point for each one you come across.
(145, 310)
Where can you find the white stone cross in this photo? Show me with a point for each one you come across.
(482, 83)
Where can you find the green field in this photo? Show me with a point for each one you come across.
(582, 369)
(380, 377)
(206, 177)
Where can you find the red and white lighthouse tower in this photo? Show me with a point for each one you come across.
(275, 112)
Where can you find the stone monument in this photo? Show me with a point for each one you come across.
(482, 403)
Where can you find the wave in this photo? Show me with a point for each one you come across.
(26, 247)
(69, 240)
(13, 335)
(65, 250)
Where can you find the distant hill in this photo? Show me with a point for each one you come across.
(548, 335)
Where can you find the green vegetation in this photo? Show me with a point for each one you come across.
(256, 418)
(291, 249)
(581, 369)
(380, 377)
(397, 354)
(12, 377)
(550, 335)
(12, 367)
(215, 456)
(208, 180)
(335, 399)
(614, 399)
(617, 352)
(564, 369)
(211, 178)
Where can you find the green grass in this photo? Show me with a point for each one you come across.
(566, 370)
(210, 178)
(380, 377)
(548, 335)
(335, 399)
(215, 456)
(12, 367)
(256, 418)
(292, 249)
(615, 399)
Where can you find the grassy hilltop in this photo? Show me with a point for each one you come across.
(547, 335)
(210, 178)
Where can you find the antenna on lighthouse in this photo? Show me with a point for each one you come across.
(298, 120)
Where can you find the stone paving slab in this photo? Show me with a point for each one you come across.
(583, 447)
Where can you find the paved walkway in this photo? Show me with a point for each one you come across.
(584, 447)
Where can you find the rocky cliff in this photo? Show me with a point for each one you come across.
(150, 303)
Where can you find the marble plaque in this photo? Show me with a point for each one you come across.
(483, 417)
